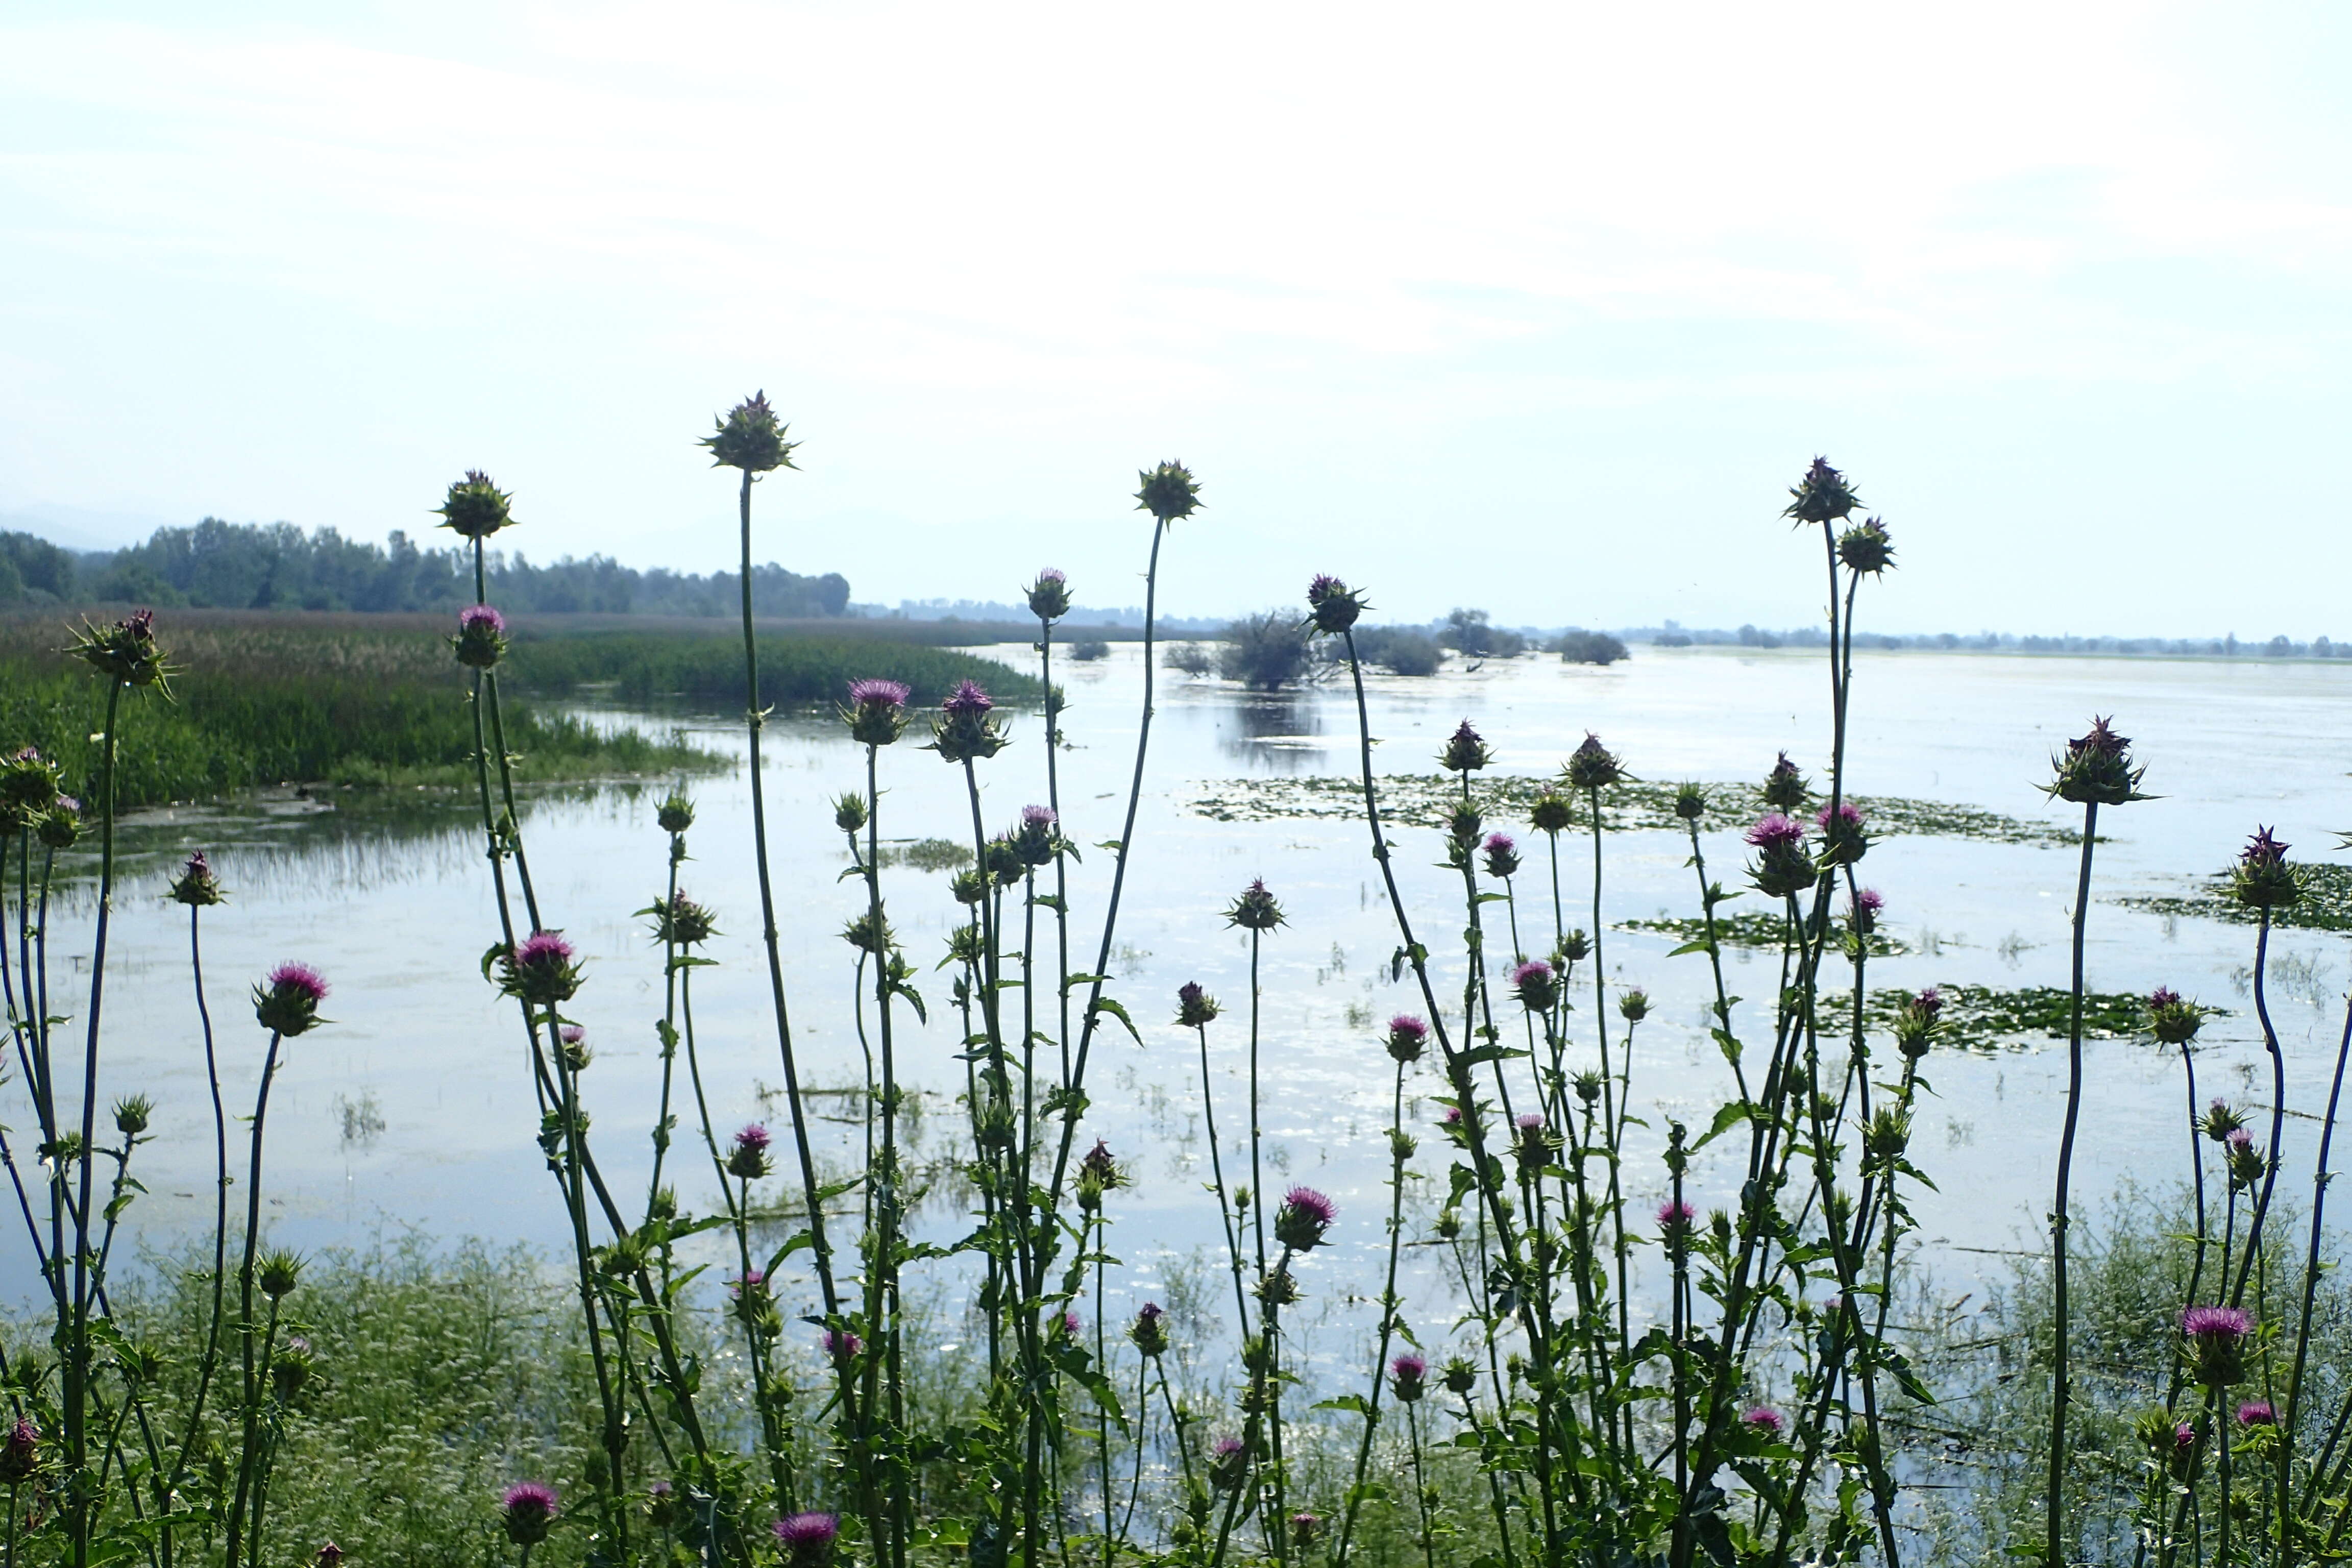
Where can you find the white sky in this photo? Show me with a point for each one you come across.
(1534, 307)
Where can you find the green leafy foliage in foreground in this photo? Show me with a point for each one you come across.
(2326, 903)
(653, 666)
(257, 704)
(439, 1379)
(1426, 800)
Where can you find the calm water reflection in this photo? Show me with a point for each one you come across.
(413, 1112)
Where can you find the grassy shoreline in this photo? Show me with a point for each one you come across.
(376, 702)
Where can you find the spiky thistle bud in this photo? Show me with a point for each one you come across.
(1256, 909)
(197, 886)
(291, 1368)
(2221, 1120)
(132, 1113)
(1690, 802)
(1465, 751)
(20, 1453)
(1194, 1007)
(1866, 548)
(1502, 856)
(277, 1273)
(1149, 1333)
(1332, 608)
(1552, 813)
(2261, 879)
(1593, 766)
(966, 729)
(1049, 595)
(2246, 1162)
(1168, 491)
(750, 438)
(127, 651)
(1785, 789)
(1822, 496)
(474, 508)
(849, 812)
(61, 827)
(1037, 836)
(681, 921)
(676, 813)
(2172, 1020)
(481, 639)
(2096, 769)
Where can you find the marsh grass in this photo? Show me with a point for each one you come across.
(330, 699)
(708, 668)
(1981, 1449)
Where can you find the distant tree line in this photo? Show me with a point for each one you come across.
(2227, 647)
(254, 566)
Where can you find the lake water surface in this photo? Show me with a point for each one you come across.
(412, 1112)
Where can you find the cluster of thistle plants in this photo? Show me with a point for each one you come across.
(1609, 1384)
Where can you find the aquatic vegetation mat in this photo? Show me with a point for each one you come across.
(1426, 800)
(1753, 928)
(2326, 904)
(1984, 1017)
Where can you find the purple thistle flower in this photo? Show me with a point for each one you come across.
(287, 1002)
(1536, 984)
(1674, 1217)
(1408, 1036)
(2184, 1436)
(755, 1136)
(481, 619)
(841, 1344)
(2264, 849)
(1224, 1447)
(1408, 1377)
(300, 979)
(1775, 830)
(967, 702)
(2257, 1413)
(807, 1539)
(571, 1034)
(542, 948)
(1304, 1217)
(1530, 1122)
(1929, 1002)
(1038, 818)
(1453, 1117)
(875, 690)
(1071, 1325)
(530, 1507)
(1503, 842)
(753, 1283)
(1865, 908)
(1762, 1418)
(2216, 1324)
(1847, 815)
(2163, 996)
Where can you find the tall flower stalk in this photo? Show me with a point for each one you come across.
(2097, 770)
